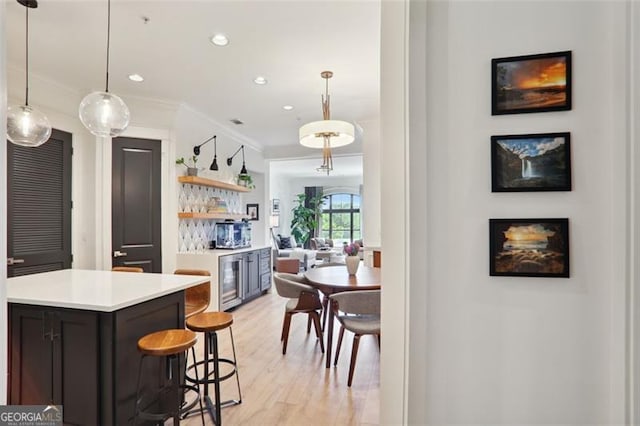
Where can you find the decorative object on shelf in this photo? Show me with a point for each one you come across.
(275, 206)
(529, 247)
(305, 217)
(191, 170)
(531, 83)
(327, 133)
(214, 164)
(26, 126)
(102, 113)
(536, 162)
(253, 211)
(246, 181)
(217, 205)
(352, 260)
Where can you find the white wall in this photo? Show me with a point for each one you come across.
(371, 200)
(505, 350)
(3, 216)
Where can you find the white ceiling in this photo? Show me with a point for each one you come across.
(288, 42)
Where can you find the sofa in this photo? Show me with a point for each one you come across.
(321, 243)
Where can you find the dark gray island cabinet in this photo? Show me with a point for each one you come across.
(73, 339)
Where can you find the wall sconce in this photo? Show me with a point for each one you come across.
(196, 151)
(243, 170)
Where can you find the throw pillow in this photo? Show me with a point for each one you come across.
(285, 243)
(293, 241)
(320, 242)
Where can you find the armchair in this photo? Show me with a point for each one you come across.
(287, 247)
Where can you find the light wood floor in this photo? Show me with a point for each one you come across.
(296, 388)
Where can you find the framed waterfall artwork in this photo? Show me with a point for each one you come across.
(533, 162)
(529, 247)
(531, 83)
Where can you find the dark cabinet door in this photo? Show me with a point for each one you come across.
(31, 356)
(54, 360)
(39, 206)
(252, 277)
(136, 188)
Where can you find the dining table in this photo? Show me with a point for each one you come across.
(336, 279)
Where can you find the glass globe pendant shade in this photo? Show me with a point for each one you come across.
(104, 114)
(27, 126)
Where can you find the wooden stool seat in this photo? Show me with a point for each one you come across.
(196, 299)
(127, 269)
(166, 342)
(209, 321)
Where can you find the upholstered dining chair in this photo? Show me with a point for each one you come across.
(302, 299)
(325, 300)
(360, 315)
(127, 269)
(196, 298)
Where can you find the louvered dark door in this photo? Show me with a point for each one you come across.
(135, 217)
(39, 206)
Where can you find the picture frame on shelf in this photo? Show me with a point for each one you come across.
(275, 206)
(531, 162)
(529, 247)
(531, 83)
(253, 211)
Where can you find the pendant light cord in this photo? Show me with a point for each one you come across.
(108, 40)
(26, 95)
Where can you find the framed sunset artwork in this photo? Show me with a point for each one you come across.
(529, 247)
(531, 83)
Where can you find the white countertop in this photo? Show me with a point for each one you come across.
(103, 291)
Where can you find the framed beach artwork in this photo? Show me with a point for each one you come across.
(533, 162)
(529, 247)
(532, 83)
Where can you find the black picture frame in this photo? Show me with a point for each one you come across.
(531, 83)
(538, 247)
(531, 162)
(253, 211)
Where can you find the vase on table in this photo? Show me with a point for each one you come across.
(352, 264)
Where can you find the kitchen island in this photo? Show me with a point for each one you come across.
(73, 338)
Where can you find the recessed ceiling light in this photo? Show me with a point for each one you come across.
(260, 80)
(287, 107)
(220, 40)
(136, 77)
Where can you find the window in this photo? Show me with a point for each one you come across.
(341, 218)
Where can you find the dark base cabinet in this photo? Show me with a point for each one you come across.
(243, 277)
(85, 360)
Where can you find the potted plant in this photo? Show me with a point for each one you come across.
(352, 259)
(306, 216)
(191, 170)
(246, 180)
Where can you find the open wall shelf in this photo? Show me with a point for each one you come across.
(196, 180)
(218, 216)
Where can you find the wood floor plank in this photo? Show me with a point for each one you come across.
(296, 388)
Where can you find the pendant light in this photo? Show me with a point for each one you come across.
(26, 126)
(328, 133)
(104, 113)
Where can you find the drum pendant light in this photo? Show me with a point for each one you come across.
(104, 113)
(26, 126)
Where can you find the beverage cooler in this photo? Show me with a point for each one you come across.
(231, 279)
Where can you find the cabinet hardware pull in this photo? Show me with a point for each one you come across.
(12, 261)
(119, 253)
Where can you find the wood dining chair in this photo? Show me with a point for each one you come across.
(127, 269)
(302, 299)
(360, 315)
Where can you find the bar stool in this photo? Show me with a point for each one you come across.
(169, 344)
(209, 323)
